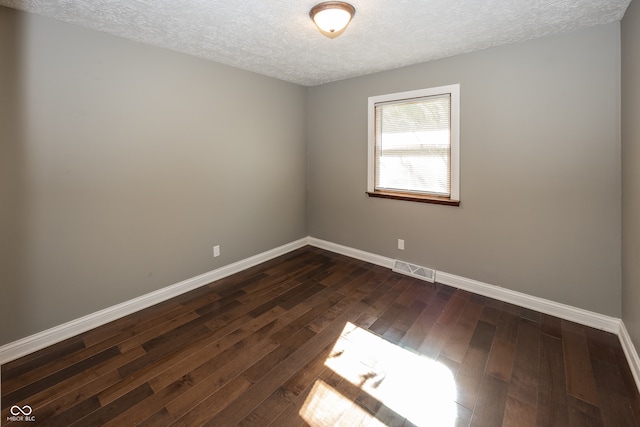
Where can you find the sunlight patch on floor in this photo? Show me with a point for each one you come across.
(325, 406)
(412, 386)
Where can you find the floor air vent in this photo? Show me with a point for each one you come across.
(413, 270)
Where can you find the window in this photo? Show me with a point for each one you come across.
(414, 146)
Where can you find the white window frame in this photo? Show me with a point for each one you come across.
(454, 92)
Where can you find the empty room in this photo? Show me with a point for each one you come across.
(303, 213)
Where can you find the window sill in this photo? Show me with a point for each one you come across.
(414, 198)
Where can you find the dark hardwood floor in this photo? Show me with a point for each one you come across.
(315, 338)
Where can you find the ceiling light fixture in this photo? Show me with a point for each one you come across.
(332, 17)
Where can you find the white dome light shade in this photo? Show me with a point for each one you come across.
(332, 20)
(332, 17)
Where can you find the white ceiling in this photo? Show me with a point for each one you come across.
(277, 38)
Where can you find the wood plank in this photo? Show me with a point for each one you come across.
(90, 382)
(71, 415)
(456, 345)
(414, 288)
(518, 413)
(631, 388)
(128, 325)
(27, 364)
(463, 416)
(452, 311)
(349, 412)
(306, 318)
(305, 377)
(54, 366)
(583, 414)
(552, 399)
(269, 408)
(522, 395)
(490, 315)
(147, 408)
(221, 351)
(325, 404)
(601, 345)
(388, 317)
(440, 332)
(579, 372)
(173, 340)
(523, 387)
(21, 394)
(492, 398)
(55, 404)
(552, 326)
(471, 372)
(209, 378)
(279, 354)
(408, 316)
(615, 407)
(421, 327)
(211, 346)
(283, 407)
(507, 327)
(501, 358)
(106, 413)
(139, 338)
(214, 403)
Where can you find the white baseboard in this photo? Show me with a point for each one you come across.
(351, 252)
(67, 330)
(59, 333)
(563, 311)
(630, 352)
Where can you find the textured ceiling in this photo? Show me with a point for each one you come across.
(277, 38)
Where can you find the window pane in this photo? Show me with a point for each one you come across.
(413, 141)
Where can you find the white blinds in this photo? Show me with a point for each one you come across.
(413, 145)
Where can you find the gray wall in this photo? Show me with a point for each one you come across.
(540, 170)
(631, 171)
(121, 165)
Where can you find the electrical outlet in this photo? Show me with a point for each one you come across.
(401, 244)
(216, 251)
